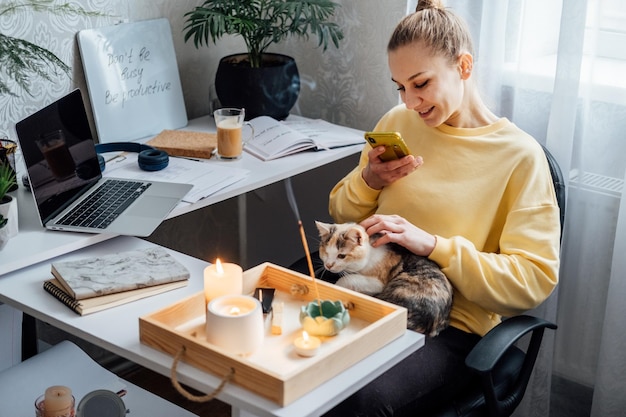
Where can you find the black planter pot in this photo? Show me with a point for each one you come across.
(271, 90)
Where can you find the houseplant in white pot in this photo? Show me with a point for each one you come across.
(8, 205)
(4, 235)
(263, 83)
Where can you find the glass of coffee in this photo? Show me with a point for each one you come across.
(230, 122)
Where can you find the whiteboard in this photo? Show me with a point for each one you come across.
(132, 78)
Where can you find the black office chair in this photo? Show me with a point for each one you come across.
(502, 368)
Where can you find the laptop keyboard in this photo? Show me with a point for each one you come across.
(105, 204)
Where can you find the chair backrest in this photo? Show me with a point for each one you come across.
(559, 183)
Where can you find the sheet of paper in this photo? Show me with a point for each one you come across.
(207, 178)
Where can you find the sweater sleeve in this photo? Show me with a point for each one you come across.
(520, 276)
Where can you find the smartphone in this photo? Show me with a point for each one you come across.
(395, 148)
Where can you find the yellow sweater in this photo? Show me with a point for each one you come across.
(487, 195)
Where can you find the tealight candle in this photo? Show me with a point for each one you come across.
(57, 402)
(307, 345)
(222, 279)
(235, 323)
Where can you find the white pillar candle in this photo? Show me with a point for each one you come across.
(307, 345)
(235, 323)
(58, 401)
(222, 279)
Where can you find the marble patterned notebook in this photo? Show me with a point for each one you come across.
(94, 304)
(119, 272)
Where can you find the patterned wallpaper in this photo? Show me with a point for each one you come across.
(349, 85)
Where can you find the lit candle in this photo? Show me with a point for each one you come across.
(235, 323)
(222, 279)
(58, 401)
(307, 345)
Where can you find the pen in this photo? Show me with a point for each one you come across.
(191, 159)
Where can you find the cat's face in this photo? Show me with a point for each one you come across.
(343, 247)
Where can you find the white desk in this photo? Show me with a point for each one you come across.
(263, 173)
(117, 330)
(66, 364)
(33, 244)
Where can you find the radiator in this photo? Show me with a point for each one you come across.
(593, 200)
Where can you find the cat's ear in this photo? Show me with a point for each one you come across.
(323, 228)
(357, 235)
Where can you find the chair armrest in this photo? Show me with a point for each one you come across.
(485, 356)
(488, 351)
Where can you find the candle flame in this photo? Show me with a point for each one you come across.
(305, 336)
(234, 311)
(218, 266)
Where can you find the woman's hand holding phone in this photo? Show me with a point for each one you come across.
(395, 148)
(396, 163)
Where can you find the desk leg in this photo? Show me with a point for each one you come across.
(243, 229)
(10, 339)
(29, 336)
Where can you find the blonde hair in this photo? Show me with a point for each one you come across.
(436, 27)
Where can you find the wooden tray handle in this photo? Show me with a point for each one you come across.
(196, 398)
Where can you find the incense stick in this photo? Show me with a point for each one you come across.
(294, 207)
(306, 250)
(310, 262)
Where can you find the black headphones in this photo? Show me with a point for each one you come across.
(149, 159)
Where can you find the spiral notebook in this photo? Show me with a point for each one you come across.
(92, 305)
(95, 283)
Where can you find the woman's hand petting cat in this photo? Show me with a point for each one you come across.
(396, 229)
(378, 174)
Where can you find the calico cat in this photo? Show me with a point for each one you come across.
(388, 272)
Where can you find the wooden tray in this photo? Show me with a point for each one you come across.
(275, 371)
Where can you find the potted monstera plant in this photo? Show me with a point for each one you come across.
(263, 83)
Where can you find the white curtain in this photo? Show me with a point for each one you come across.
(608, 396)
(555, 68)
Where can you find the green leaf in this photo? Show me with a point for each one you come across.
(21, 60)
(262, 23)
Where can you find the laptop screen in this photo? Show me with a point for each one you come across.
(59, 153)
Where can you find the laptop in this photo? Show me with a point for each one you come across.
(63, 172)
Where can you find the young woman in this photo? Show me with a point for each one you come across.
(478, 200)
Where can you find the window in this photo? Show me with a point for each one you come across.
(606, 29)
(532, 51)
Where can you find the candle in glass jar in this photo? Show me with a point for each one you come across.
(307, 345)
(222, 279)
(58, 401)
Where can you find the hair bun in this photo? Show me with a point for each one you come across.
(429, 4)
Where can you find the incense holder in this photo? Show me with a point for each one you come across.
(332, 318)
